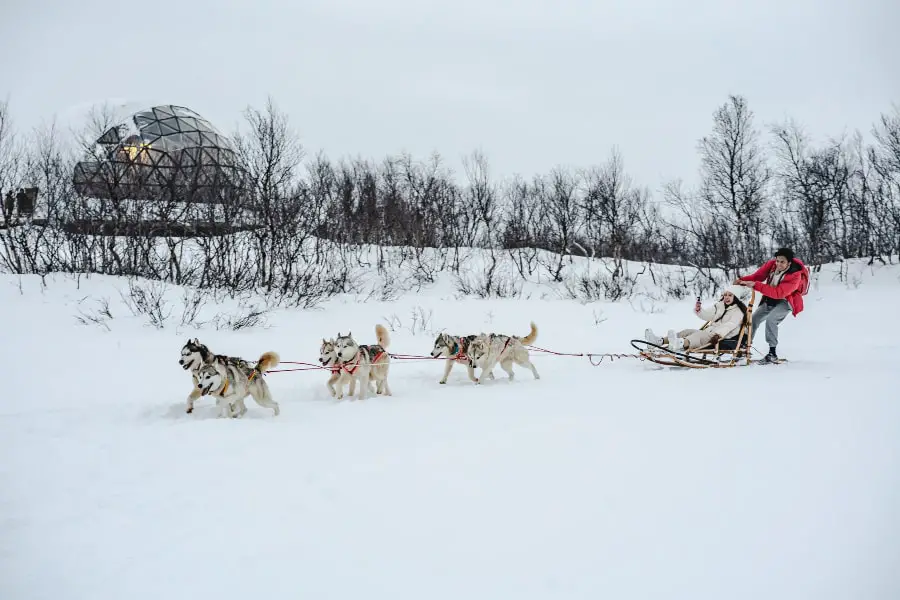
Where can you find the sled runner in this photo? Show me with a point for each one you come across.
(731, 352)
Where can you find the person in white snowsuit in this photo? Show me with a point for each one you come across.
(725, 316)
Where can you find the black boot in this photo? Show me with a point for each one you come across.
(771, 357)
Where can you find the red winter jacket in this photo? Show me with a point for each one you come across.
(793, 285)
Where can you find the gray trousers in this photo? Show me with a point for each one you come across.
(773, 316)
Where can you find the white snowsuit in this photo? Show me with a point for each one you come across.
(726, 322)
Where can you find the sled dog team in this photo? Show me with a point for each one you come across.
(782, 281)
(232, 379)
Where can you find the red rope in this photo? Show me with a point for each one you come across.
(595, 359)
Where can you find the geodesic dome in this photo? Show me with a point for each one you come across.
(162, 150)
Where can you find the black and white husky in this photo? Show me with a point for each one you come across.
(195, 356)
(362, 364)
(486, 350)
(231, 382)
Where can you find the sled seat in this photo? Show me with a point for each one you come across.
(737, 346)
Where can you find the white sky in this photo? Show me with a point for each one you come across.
(532, 83)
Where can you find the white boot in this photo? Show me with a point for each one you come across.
(676, 344)
(651, 337)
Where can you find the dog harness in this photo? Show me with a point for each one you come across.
(355, 364)
(460, 355)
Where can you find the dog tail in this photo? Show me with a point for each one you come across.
(532, 335)
(382, 335)
(269, 360)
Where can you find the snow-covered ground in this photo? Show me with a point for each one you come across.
(624, 481)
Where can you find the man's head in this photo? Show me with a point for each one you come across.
(783, 258)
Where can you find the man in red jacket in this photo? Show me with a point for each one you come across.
(782, 281)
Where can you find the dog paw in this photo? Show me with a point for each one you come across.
(189, 410)
(442, 381)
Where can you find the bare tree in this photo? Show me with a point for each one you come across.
(561, 218)
(613, 209)
(11, 166)
(735, 177)
(270, 154)
(885, 159)
(520, 227)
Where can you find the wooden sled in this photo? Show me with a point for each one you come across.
(733, 352)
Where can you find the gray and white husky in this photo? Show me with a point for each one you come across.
(362, 364)
(231, 382)
(456, 350)
(194, 356)
(328, 357)
(486, 350)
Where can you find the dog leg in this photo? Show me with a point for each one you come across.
(263, 397)
(487, 368)
(386, 389)
(340, 387)
(235, 410)
(471, 370)
(224, 408)
(363, 374)
(195, 393)
(506, 365)
(526, 362)
(447, 368)
(330, 383)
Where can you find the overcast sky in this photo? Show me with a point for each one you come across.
(532, 83)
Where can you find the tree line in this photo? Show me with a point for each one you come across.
(313, 219)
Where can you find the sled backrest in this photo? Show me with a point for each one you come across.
(745, 333)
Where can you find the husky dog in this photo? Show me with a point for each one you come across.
(234, 380)
(485, 351)
(365, 363)
(194, 356)
(328, 356)
(455, 349)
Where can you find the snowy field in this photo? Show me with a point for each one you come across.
(625, 480)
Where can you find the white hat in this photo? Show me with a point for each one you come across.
(739, 291)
